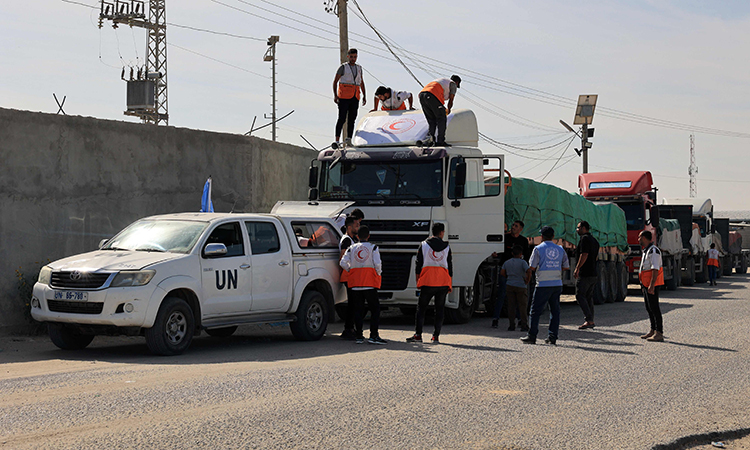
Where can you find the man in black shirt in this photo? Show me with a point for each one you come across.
(585, 272)
(511, 239)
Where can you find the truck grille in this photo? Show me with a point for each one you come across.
(396, 271)
(398, 225)
(75, 307)
(78, 280)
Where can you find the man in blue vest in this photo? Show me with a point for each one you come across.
(548, 261)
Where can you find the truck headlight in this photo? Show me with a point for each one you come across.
(45, 275)
(133, 278)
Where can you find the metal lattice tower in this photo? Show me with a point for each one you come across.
(693, 169)
(131, 13)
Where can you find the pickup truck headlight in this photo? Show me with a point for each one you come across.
(133, 278)
(45, 275)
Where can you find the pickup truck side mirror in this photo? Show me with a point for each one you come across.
(215, 250)
(103, 242)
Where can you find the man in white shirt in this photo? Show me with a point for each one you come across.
(392, 100)
(651, 276)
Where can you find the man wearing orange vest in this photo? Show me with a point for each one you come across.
(434, 269)
(433, 98)
(713, 264)
(392, 100)
(351, 225)
(362, 261)
(348, 87)
(651, 275)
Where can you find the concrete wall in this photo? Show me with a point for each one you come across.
(67, 182)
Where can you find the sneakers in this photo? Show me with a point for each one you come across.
(415, 338)
(586, 325)
(348, 142)
(348, 335)
(494, 323)
(648, 335)
(435, 339)
(360, 340)
(528, 339)
(551, 340)
(377, 340)
(657, 337)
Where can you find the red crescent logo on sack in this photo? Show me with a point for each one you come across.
(399, 126)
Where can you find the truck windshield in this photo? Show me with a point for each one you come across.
(634, 215)
(384, 182)
(173, 236)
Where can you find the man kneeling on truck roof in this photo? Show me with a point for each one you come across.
(392, 100)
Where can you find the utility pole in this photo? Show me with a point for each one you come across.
(147, 93)
(693, 169)
(343, 30)
(271, 56)
(585, 146)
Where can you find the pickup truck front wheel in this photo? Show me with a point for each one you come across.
(173, 329)
(67, 338)
(312, 317)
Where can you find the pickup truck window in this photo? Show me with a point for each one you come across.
(263, 237)
(315, 235)
(230, 235)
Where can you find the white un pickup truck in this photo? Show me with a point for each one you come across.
(168, 277)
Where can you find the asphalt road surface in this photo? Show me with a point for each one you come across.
(480, 388)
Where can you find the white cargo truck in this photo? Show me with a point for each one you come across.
(403, 189)
(168, 277)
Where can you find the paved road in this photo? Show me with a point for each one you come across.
(480, 389)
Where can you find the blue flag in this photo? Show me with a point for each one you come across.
(206, 204)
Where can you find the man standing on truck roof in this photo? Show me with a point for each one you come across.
(362, 260)
(434, 269)
(347, 240)
(548, 260)
(511, 239)
(651, 276)
(587, 251)
(433, 98)
(713, 264)
(346, 93)
(392, 100)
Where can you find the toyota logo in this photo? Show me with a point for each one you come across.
(75, 275)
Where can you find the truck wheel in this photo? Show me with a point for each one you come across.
(727, 265)
(466, 306)
(173, 329)
(621, 270)
(670, 283)
(612, 269)
(601, 291)
(67, 338)
(312, 317)
(702, 276)
(743, 265)
(221, 332)
(689, 278)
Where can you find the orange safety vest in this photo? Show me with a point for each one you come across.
(439, 88)
(434, 267)
(713, 257)
(362, 269)
(349, 83)
(646, 273)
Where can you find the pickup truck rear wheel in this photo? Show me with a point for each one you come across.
(221, 332)
(67, 338)
(312, 317)
(173, 329)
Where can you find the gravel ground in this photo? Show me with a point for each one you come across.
(479, 389)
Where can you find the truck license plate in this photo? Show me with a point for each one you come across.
(72, 295)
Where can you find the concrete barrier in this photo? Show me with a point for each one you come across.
(67, 182)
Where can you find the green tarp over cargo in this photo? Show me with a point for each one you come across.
(539, 204)
(669, 224)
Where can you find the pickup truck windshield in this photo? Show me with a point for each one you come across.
(384, 182)
(173, 236)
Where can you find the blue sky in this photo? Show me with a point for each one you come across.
(683, 61)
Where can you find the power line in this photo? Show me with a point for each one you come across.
(558, 161)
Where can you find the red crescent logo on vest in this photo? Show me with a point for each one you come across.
(399, 126)
(436, 256)
(362, 251)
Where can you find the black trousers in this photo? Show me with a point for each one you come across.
(585, 296)
(652, 307)
(359, 298)
(347, 109)
(434, 112)
(425, 295)
(349, 316)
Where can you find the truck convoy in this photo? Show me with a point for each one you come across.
(169, 277)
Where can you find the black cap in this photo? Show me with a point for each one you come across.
(456, 79)
(547, 232)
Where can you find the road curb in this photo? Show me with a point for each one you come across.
(693, 440)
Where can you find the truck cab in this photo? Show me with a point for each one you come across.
(403, 189)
